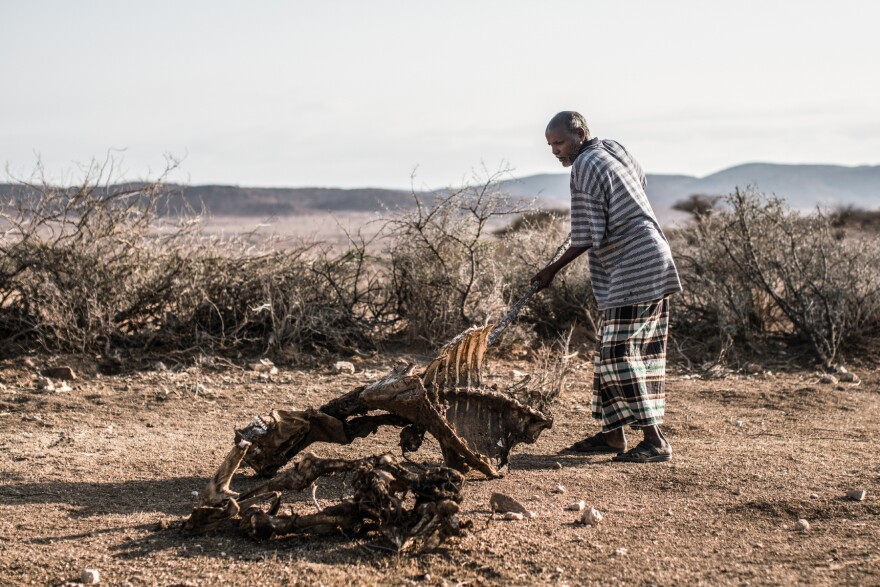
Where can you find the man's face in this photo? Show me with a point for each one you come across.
(565, 143)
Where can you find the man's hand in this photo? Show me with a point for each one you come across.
(544, 277)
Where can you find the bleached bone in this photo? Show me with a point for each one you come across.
(476, 427)
(379, 504)
(217, 490)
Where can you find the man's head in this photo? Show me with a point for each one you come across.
(565, 133)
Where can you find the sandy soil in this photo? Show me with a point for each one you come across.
(87, 474)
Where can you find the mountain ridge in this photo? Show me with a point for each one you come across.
(804, 186)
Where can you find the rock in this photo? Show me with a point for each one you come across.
(90, 577)
(45, 384)
(591, 517)
(160, 366)
(814, 496)
(754, 369)
(577, 506)
(840, 369)
(63, 373)
(848, 378)
(557, 465)
(343, 367)
(739, 423)
(620, 552)
(802, 525)
(513, 516)
(517, 373)
(828, 379)
(559, 489)
(856, 494)
(29, 363)
(504, 504)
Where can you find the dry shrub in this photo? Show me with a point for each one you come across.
(569, 301)
(300, 297)
(100, 268)
(761, 269)
(82, 268)
(444, 270)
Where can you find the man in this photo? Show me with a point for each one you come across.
(632, 273)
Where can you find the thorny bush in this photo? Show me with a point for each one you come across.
(103, 268)
(758, 269)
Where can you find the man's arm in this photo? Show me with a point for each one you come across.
(546, 275)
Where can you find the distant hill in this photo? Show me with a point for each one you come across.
(227, 200)
(803, 186)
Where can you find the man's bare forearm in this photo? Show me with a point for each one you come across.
(546, 275)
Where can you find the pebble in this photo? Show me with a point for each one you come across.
(591, 517)
(828, 379)
(814, 496)
(802, 525)
(559, 489)
(557, 465)
(160, 366)
(344, 367)
(577, 506)
(513, 516)
(856, 494)
(849, 378)
(90, 577)
(504, 504)
(620, 552)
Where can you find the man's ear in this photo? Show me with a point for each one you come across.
(582, 134)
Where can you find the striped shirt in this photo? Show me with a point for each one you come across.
(629, 257)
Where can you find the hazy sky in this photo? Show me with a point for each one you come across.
(363, 92)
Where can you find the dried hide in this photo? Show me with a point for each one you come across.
(476, 426)
(379, 505)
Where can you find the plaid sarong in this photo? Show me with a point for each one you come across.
(629, 380)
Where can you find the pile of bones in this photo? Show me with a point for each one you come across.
(413, 506)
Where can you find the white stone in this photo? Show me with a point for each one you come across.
(343, 367)
(577, 506)
(856, 494)
(513, 516)
(591, 517)
(517, 373)
(814, 496)
(802, 525)
(90, 577)
(620, 552)
(559, 489)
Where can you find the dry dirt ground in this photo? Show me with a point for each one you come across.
(87, 474)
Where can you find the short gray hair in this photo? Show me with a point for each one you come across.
(569, 120)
